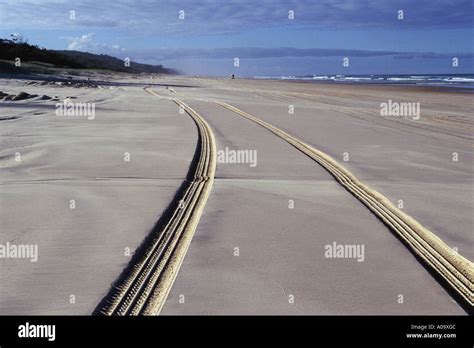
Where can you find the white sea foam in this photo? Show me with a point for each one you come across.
(441, 80)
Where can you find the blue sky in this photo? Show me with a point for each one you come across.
(260, 33)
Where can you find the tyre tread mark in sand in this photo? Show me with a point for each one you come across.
(144, 285)
(456, 271)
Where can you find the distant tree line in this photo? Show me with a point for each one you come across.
(12, 49)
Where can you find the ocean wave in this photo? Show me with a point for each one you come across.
(465, 80)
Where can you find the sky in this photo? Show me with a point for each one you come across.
(269, 37)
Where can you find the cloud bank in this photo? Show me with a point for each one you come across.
(211, 16)
(256, 52)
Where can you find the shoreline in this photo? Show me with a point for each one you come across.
(421, 87)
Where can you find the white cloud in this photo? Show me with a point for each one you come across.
(87, 43)
(17, 37)
(84, 42)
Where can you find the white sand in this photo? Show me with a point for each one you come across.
(281, 250)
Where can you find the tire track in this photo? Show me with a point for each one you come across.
(456, 271)
(144, 285)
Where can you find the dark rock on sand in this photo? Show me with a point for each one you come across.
(23, 96)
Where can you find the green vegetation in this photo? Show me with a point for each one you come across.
(39, 59)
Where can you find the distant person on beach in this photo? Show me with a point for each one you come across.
(232, 77)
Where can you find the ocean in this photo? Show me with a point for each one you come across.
(445, 80)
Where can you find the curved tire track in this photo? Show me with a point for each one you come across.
(457, 271)
(143, 287)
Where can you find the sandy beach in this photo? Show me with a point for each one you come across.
(259, 247)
